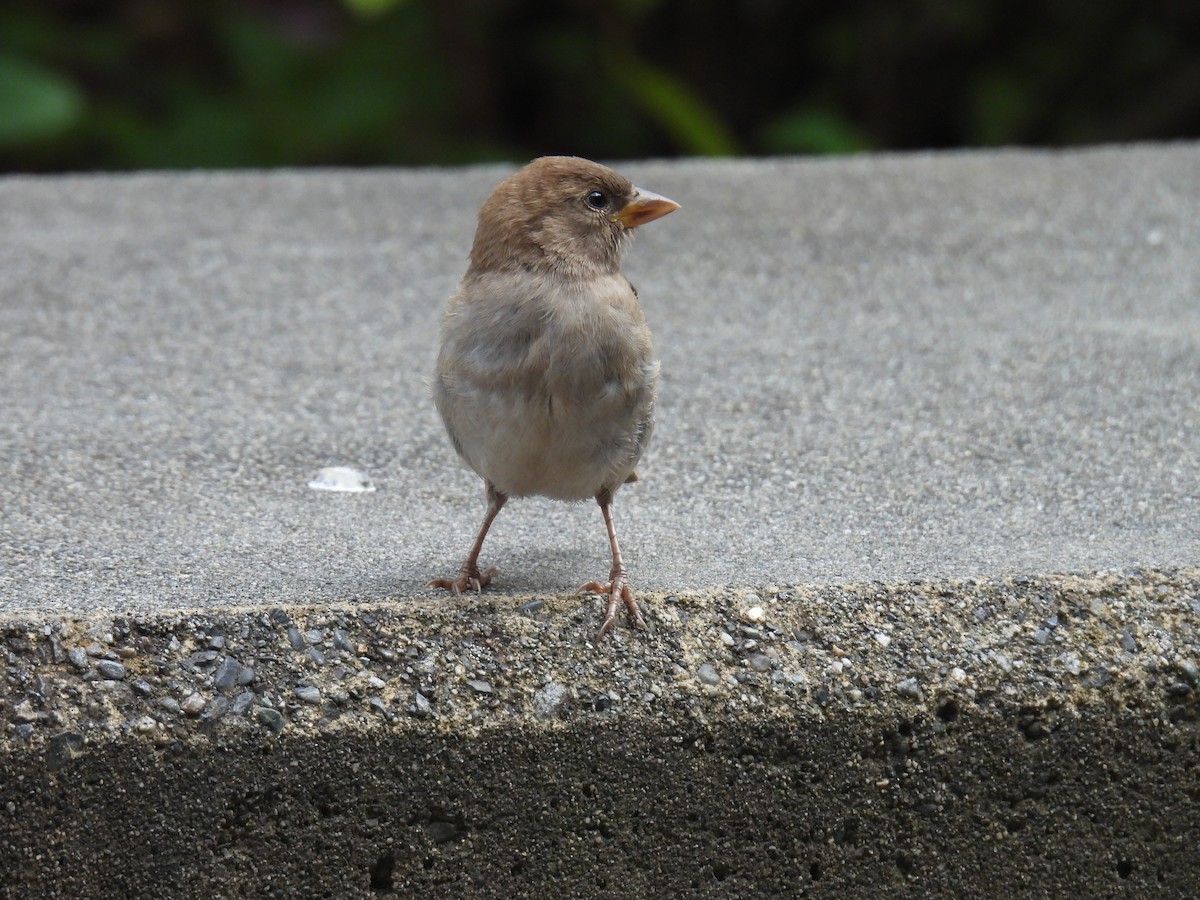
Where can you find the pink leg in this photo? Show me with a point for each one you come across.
(617, 589)
(469, 576)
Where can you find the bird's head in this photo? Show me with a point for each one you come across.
(564, 215)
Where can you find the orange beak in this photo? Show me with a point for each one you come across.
(646, 206)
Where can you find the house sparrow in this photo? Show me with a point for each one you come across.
(546, 376)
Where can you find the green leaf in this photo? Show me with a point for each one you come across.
(368, 8)
(678, 111)
(1001, 107)
(812, 129)
(35, 102)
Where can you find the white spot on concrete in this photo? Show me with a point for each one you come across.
(341, 478)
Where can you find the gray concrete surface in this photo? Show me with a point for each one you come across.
(900, 393)
(876, 367)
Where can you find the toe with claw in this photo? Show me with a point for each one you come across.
(468, 580)
(617, 592)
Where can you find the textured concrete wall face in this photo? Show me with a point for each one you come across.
(1031, 737)
(917, 538)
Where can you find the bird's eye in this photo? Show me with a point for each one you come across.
(596, 200)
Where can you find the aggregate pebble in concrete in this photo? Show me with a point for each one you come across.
(448, 746)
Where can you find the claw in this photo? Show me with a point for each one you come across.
(467, 580)
(617, 592)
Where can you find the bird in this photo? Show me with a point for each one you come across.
(546, 374)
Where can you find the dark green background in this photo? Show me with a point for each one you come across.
(166, 83)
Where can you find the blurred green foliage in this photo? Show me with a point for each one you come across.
(185, 83)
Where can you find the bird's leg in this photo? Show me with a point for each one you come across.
(617, 589)
(469, 576)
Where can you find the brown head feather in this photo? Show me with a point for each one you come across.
(540, 219)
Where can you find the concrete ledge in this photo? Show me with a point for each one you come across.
(1015, 737)
(882, 374)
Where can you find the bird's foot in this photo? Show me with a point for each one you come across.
(469, 579)
(618, 591)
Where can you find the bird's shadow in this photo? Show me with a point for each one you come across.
(557, 570)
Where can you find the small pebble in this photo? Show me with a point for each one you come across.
(755, 614)
(1190, 671)
(376, 682)
(377, 705)
(481, 686)
(78, 657)
(62, 749)
(707, 674)
(309, 694)
(110, 669)
(342, 641)
(440, 831)
(145, 725)
(202, 658)
(421, 707)
(226, 675)
(550, 700)
(759, 662)
(242, 702)
(910, 688)
(193, 705)
(533, 606)
(24, 712)
(217, 709)
(269, 717)
(882, 639)
(295, 638)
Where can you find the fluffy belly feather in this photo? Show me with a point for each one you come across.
(550, 446)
